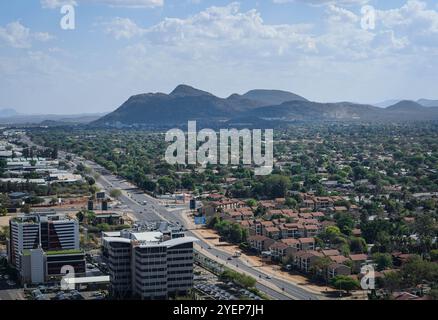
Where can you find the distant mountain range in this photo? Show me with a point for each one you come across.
(11, 117)
(254, 108)
(428, 103)
(187, 103)
(7, 112)
(423, 102)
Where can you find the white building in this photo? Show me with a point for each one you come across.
(49, 231)
(149, 265)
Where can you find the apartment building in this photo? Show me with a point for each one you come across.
(148, 265)
(260, 243)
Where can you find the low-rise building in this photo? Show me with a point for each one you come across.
(260, 243)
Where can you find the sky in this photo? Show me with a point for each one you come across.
(325, 50)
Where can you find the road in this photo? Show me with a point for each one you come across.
(133, 198)
(154, 211)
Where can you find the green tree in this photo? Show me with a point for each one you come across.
(276, 186)
(345, 283)
(345, 222)
(238, 278)
(115, 193)
(392, 281)
(358, 245)
(166, 184)
(3, 212)
(212, 222)
(26, 208)
(4, 233)
(80, 216)
(291, 203)
(331, 234)
(251, 203)
(434, 255)
(103, 227)
(383, 260)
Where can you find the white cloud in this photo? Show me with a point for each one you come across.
(16, 35)
(220, 29)
(413, 19)
(52, 4)
(123, 28)
(324, 2)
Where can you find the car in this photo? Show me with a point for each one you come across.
(268, 277)
(97, 294)
(229, 258)
(10, 283)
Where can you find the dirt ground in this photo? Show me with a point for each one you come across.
(69, 203)
(4, 221)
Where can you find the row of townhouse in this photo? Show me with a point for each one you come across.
(281, 229)
(312, 202)
(226, 204)
(282, 248)
(238, 214)
(305, 260)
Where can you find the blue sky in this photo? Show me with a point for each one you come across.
(316, 48)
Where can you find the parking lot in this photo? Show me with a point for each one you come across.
(9, 290)
(210, 287)
(54, 293)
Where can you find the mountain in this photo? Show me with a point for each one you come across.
(307, 110)
(386, 103)
(272, 97)
(44, 119)
(428, 103)
(7, 112)
(406, 106)
(187, 103)
(256, 107)
(187, 91)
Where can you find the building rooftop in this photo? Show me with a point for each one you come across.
(63, 252)
(151, 236)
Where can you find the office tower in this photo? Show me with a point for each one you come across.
(148, 266)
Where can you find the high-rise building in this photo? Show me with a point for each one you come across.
(50, 231)
(148, 265)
